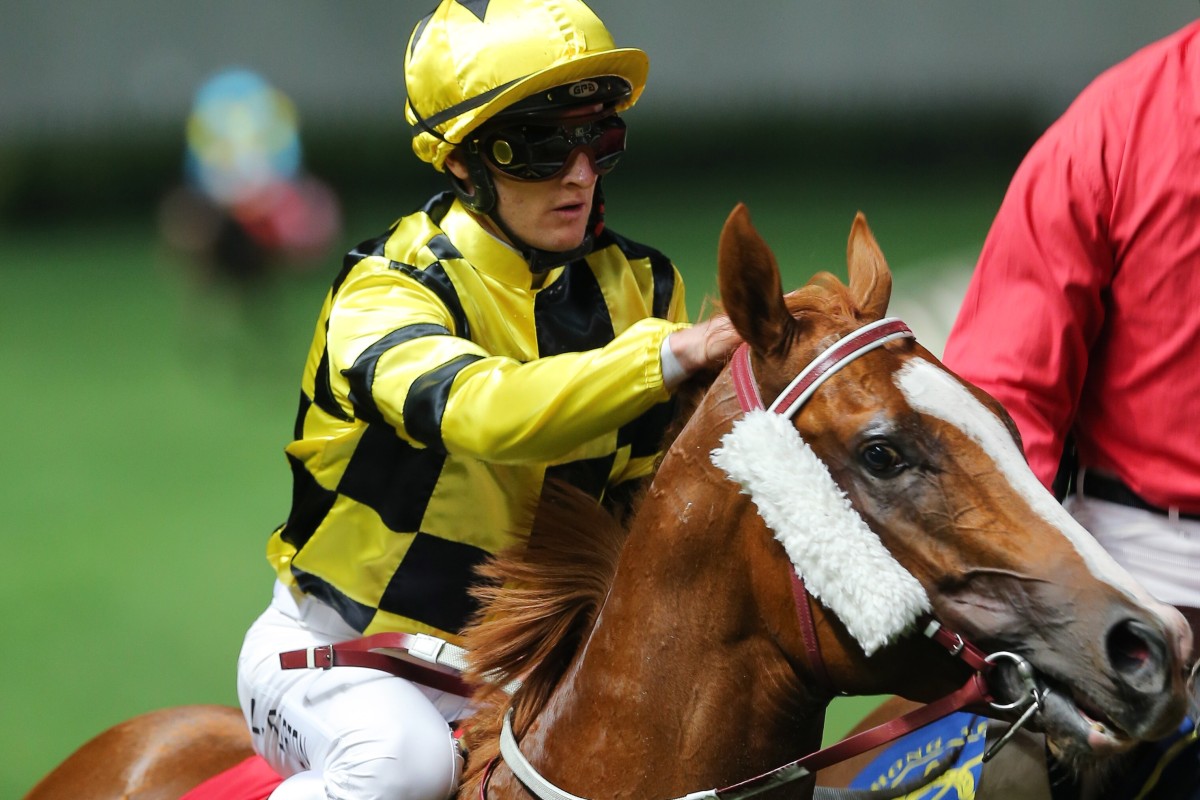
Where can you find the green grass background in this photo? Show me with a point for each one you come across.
(146, 415)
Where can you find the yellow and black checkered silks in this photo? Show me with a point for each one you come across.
(441, 390)
(471, 59)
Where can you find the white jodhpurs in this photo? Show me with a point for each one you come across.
(346, 733)
(1162, 552)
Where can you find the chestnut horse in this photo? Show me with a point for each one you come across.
(671, 653)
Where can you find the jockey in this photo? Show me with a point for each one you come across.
(1080, 319)
(497, 337)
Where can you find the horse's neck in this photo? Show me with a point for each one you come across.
(682, 666)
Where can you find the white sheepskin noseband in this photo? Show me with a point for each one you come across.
(842, 561)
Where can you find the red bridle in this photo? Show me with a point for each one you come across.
(788, 403)
(975, 691)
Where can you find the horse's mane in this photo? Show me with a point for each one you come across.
(538, 602)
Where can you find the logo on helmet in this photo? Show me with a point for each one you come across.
(583, 89)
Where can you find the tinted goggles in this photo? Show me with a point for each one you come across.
(538, 152)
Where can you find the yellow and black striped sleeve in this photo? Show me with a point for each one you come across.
(395, 343)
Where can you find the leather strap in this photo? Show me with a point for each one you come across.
(808, 628)
(743, 380)
(750, 400)
(973, 692)
(487, 777)
(861, 341)
(958, 647)
(360, 653)
(856, 344)
(1114, 490)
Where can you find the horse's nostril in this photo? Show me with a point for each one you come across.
(1135, 651)
(1126, 650)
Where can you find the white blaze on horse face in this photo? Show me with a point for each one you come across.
(931, 390)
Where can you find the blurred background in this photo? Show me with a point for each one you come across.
(177, 182)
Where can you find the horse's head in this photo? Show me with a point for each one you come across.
(933, 467)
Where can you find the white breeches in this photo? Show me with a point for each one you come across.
(1161, 552)
(347, 732)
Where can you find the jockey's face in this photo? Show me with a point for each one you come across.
(550, 214)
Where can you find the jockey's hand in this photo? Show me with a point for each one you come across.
(705, 344)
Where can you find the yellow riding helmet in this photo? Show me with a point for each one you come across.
(471, 59)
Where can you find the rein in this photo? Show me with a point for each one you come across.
(974, 691)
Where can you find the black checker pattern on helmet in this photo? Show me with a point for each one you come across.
(476, 7)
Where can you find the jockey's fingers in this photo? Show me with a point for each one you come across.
(707, 343)
(721, 339)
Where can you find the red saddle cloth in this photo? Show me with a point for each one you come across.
(252, 779)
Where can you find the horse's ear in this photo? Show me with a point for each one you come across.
(751, 291)
(870, 278)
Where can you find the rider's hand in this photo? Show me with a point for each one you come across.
(705, 344)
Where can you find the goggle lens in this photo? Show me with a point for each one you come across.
(540, 152)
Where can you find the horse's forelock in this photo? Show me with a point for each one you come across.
(824, 294)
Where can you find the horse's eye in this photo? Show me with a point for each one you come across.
(881, 458)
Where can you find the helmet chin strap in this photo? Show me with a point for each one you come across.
(482, 200)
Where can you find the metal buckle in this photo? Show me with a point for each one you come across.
(931, 630)
(312, 657)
